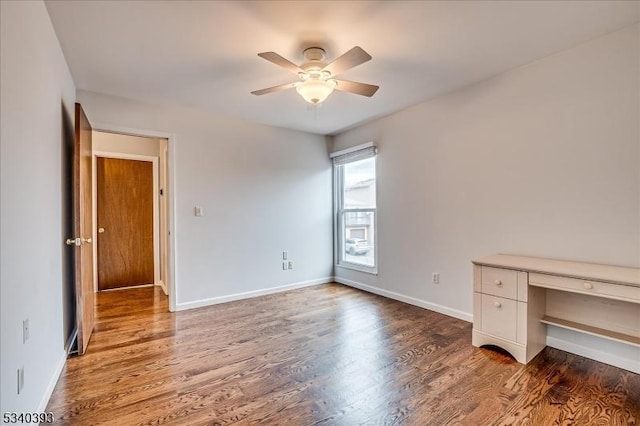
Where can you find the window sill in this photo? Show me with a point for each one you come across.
(359, 268)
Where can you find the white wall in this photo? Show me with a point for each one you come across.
(125, 144)
(542, 160)
(36, 128)
(263, 190)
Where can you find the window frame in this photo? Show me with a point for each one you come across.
(339, 223)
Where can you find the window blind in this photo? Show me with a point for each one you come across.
(353, 154)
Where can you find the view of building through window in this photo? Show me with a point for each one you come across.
(358, 212)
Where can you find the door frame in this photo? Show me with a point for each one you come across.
(170, 193)
(156, 211)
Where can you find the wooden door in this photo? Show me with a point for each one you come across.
(125, 223)
(82, 224)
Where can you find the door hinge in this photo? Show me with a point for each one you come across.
(74, 241)
(78, 241)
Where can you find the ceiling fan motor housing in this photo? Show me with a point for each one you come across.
(314, 54)
(315, 59)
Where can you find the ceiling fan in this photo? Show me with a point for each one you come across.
(317, 78)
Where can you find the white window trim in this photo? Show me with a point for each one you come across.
(338, 249)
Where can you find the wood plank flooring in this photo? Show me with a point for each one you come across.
(323, 355)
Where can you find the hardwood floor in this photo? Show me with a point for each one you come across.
(327, 355)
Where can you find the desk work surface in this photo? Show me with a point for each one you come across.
(582, 270)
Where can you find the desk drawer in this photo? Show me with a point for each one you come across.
(500, 282)
(499, 316)
(595, 288)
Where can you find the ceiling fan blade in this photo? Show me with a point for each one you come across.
(352, 58)
(279, 60)
(357, 88)
(273, 89)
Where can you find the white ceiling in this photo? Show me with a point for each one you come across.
(203, 53)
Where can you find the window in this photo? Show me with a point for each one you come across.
(355, 200)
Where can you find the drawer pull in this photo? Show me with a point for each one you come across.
(497, 304)
(588, 286)
(498, 283)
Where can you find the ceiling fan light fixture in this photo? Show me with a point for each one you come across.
(317, 80)
(315, 90)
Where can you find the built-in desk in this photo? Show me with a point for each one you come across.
(515, 297)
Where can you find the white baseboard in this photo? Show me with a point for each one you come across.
(249, 294)
(465, 316)
(554, 342)
(52, 383)
(72, 338)
(595, 354)
(163, 286)
(127, 287)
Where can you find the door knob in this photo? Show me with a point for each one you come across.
(100, 230)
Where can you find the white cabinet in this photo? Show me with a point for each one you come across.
(499, 317)
(515, 297)
(507, 312)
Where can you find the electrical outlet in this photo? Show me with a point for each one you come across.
(291, 264)
(435, 278)
(20, 379)
(25, 330)
(285, 266)
(285, 255)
